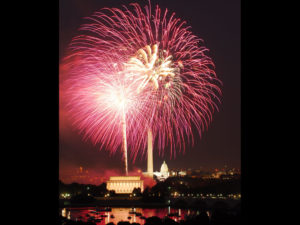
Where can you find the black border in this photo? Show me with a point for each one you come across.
(34, 110)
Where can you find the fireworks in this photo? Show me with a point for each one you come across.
(96, 104)
(148, 66)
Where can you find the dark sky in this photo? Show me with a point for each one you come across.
(217, 22)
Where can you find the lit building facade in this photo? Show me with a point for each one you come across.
(182, 173)
(124, 184)
(164, 172)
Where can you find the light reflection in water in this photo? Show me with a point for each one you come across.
(122, 214)
(107, 218)
(63, 212)
(209, 214)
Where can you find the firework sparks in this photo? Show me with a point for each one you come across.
(149, 67)
(101, 102)
(164, 72)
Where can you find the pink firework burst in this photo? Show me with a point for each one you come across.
(160, 63)
(98, 96)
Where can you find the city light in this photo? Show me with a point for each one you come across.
(65, 196)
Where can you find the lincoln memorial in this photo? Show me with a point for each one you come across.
(124, 184)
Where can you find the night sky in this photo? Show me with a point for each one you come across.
(217, 22)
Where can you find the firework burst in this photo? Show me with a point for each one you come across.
(153, 59)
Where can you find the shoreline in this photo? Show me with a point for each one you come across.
(207, 203)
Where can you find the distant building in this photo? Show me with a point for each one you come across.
(124, 184)
(173, 173)
(164, 172)
(218, 174)
(182, 173)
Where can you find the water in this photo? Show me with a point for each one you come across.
(122, 214)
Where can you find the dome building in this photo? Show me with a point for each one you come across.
(164, 172)
(164, 169)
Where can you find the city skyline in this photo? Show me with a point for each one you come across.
(96, 177)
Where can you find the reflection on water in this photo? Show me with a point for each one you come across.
(63, 212)
(136, 215)
(209, 214)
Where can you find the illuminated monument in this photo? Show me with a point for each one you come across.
(164, 172)
(150, 156)
(124, 184)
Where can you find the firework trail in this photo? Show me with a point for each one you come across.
(164, 68)
(102, 102)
